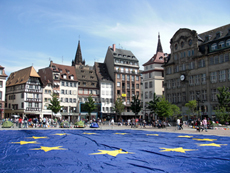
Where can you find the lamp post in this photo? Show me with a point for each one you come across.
(198, 100)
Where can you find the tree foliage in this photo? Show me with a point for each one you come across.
(119, 106)
(152, 105)
(222, 115)
(54, 104)
(136, 105)
(223, 97)
(191, 105)
(90, 106)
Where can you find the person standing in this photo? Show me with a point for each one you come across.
(205, 123)
(178, 124)
(198, 124)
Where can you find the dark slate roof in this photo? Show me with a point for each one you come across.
(86, 74)
(124, 54)
(102, 72)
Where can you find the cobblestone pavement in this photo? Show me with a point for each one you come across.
(220, 131)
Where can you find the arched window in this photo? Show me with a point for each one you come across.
(176, 46)
(228, 42)
(214, 46)
(190, 42)
(182, 44)
(221, 44)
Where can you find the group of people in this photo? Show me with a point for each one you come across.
(200, 124)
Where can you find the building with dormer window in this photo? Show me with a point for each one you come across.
(199, 64)
(24, 94)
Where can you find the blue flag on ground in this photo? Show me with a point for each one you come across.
(111, 151)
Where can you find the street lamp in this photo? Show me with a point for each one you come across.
(198, 100)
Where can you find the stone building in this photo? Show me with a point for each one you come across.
(199, 64)
(123, 68)
(153, 78)
(3, 77)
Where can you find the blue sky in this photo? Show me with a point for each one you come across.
(32, 32)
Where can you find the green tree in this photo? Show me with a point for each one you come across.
(119, 106)
(90, 106)
(152, 105)
(191, 105)
(164, 108)
(54, 104)
(223, 97)
(136, 105)
(224, 101)
(175, 109)
(222, 115)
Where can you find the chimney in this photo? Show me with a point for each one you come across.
(114, 47)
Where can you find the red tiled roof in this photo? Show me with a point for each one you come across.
(158, 58)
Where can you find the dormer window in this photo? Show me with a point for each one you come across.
(124, 56)
(64, 76)
(221, 44)
(82, 71)
(71, 77)
(84, 83)
(119, 55)
(228, 42)
(91, 77)
(83, 76)
(91, 72)
(133, 56)
(92, 84)
(190, 42)
(176, 46)
(214, 46)
(218, 35)
(182, 44)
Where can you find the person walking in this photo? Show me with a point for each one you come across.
(178, 124)
(198, 124)
(205, 123)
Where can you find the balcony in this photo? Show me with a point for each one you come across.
(33, 100)
(33, 109)
(33, 90)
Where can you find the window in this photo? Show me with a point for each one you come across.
(137, 78)
(192, 95)
(62, 83)
(174, 98)
(179, 97)
(22, 95)
(29, 104)
(204, 94)
(22, 105)
(118, 76)
(222, 76)
(221, 44)
(126, 70)
(70, 100)
(197, 79)
(146, 95)
(128, 78)
(176, 46)
(67, 84)
(1, 71)
(216, 60)
(36, 105)
(0, 95)
(228, 74)
(123, 77)
(213, 95)
(150, 94)
(213, 77)
(137, 86)
(203, 78)
(176, 69)
(221, 58)
(118, 84)
(201, 63)
(66, 99)
(211, 60)
(133, 78)
(175, 56)
(146, 85)
(150, 75)
(214, 46)
(62, 91)
(150, 84)
(190, 42)
(226, 57)
(0, 84)
(182, 44)
(173, 83)
(228, 42)
(191, 65)
(122, 69)
(71, 84)
(183, 67)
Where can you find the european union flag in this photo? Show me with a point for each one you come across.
(111, 151)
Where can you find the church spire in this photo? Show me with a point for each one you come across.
(78, 56)
(159, 47)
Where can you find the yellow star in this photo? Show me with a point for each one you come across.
(38, 137)
(89, 133)
(25, 142)
(111, 153)
(120, 133)
(152, 134)
(212, 144)
(180, 149)
(206, 139)
(186, 136)
(60, 134)
(46, 149)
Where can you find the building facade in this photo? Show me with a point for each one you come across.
(123, 68)
(106, 86)
(61, 80)
(153, 78)
(199, 64)
(24, 94)
(88, 85)
(3, 77)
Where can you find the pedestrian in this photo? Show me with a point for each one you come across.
(25, 122)
(205, 124)
(198, 124)
(178, 124)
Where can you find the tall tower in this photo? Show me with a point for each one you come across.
(159, 47)
(78, 56)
